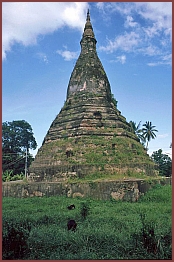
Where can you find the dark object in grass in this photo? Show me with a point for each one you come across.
(71, 225)
(71, 207)
(149, 241)
(14, 244)
(84, 209)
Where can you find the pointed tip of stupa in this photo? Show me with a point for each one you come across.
(88, 15)
(88, 30)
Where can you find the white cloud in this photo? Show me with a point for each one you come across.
(163, 135)
(125, 42)
(123, 8)
(160, 14)
(129, 22)
(154, 64)
(151, 31)
(67, 55)
(149, 36)
(100, 5)
(23, 22)
(121, 59)
(148, 10)
(150, 50)
(164, 60)
(155, 11)
(167, 58)
(43, 57)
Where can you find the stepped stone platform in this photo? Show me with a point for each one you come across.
(89, 135)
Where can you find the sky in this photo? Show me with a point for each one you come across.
(41, 44)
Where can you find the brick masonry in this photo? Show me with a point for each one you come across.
(127, 190)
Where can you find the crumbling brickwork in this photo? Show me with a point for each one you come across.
(89, 134)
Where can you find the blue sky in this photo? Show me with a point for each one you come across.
(41, 43)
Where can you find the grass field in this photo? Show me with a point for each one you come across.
(36, 228)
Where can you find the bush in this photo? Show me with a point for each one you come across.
(158, 194)
(8, 176)
(153, 244)
(84, 209)
(14, 241)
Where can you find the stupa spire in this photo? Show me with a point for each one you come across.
(88, 75)
(88, 35)
(88, 16)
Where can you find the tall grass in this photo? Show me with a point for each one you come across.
(111, 229)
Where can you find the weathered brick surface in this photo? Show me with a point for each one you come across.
(89, 115)
(128, 190)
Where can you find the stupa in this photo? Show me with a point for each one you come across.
(89, 136)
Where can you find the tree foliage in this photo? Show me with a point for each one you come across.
(137, 130)
(164, 163)
(146, 133)
(149, 131)
(17, 137)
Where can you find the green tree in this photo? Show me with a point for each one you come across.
(137, 130)
(164, 163)
(17, 136)
(148, 132)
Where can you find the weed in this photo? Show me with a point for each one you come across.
(84, 211)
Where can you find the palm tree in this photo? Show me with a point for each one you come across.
(136, 129)
(148, 132)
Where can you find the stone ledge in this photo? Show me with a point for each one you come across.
(127, 190)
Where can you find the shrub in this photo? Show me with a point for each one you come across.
(84, 209)
(153, 244)
(14, 241)
(8, 176)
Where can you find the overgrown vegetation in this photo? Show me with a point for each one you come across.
(84, 210)
(97, 150)
(164, 163)
(17, 138)
(146, 133)
(8, 176)
(36, 228)
(113, 100)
